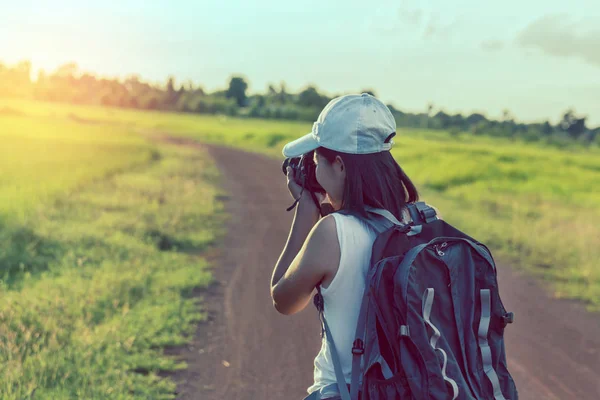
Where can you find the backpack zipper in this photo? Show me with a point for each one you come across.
(438, 248)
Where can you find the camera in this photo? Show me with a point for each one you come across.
(304, 169)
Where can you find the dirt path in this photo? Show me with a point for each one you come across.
(247, 351)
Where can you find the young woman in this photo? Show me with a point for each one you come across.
(350, 143)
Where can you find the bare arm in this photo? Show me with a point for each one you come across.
(311, 252)
(305, 218)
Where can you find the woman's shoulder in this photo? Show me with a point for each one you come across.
(352, 220)
(344, 221)
(353, 225)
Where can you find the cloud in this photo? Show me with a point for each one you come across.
(427, 24)
(436, 28)
(492, 45)
(410, 16)
(560, 36)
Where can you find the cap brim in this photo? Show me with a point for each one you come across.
(300, 146)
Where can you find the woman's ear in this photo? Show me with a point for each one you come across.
(340, 161)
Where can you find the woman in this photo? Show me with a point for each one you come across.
(351, 142)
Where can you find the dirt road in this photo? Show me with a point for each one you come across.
(247, 351)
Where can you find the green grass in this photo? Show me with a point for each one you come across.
(537, 206)
(100, 227)
(41, 158)
(100, 231)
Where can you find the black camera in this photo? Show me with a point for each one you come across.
(304, 169)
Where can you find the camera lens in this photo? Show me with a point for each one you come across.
(284, 166)
(292, 162)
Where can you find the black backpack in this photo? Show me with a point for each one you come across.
(431, 323)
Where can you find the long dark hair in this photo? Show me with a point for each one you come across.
(374, 180)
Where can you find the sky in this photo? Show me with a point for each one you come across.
(535, 58)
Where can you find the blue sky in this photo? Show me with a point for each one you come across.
(535, 58)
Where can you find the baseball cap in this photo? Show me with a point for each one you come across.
(354, 123)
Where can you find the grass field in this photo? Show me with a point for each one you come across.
(538, 207)
(99, 226)
(99, 233)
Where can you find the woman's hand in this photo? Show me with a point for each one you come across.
(296, 190)
(293, 186)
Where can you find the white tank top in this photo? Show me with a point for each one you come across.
(342, 298)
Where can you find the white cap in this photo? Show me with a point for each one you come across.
(355, 123)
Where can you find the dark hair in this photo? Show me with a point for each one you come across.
(374, 180)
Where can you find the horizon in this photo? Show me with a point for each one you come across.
(196, 85)
(536, 59)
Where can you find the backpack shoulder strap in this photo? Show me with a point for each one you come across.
(358, 347)
(384, 213)
(377, 218)
(337, 365)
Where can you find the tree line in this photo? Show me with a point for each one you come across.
(68, 84)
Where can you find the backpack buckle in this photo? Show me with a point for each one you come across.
(403, 229)
(427, 213)
(358, 347)
(404, 330)
(508, 318)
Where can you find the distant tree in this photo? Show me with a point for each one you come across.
(475, 118)
(199, 91)
(152, 103)
(123, 101)
(508, 126)
(506, 115)
(41, 76)
(546, 128)
(597, 136)
(457, 120)
(259, 101)
(132, 83)
(532, 133)
(587, 137)
(23, 72)
(171, 86)
(310, 97)
(237, 90)
(171, 96)
(442, 120)
(479, 127)
(15, 81)
(596, 142)
(106, 100)
(429, 108)
(66, 70)
(282, 94)
(271, 90)
(428, 115)
(572, 125)
(68, 84)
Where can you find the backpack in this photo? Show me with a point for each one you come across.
(431, 322)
